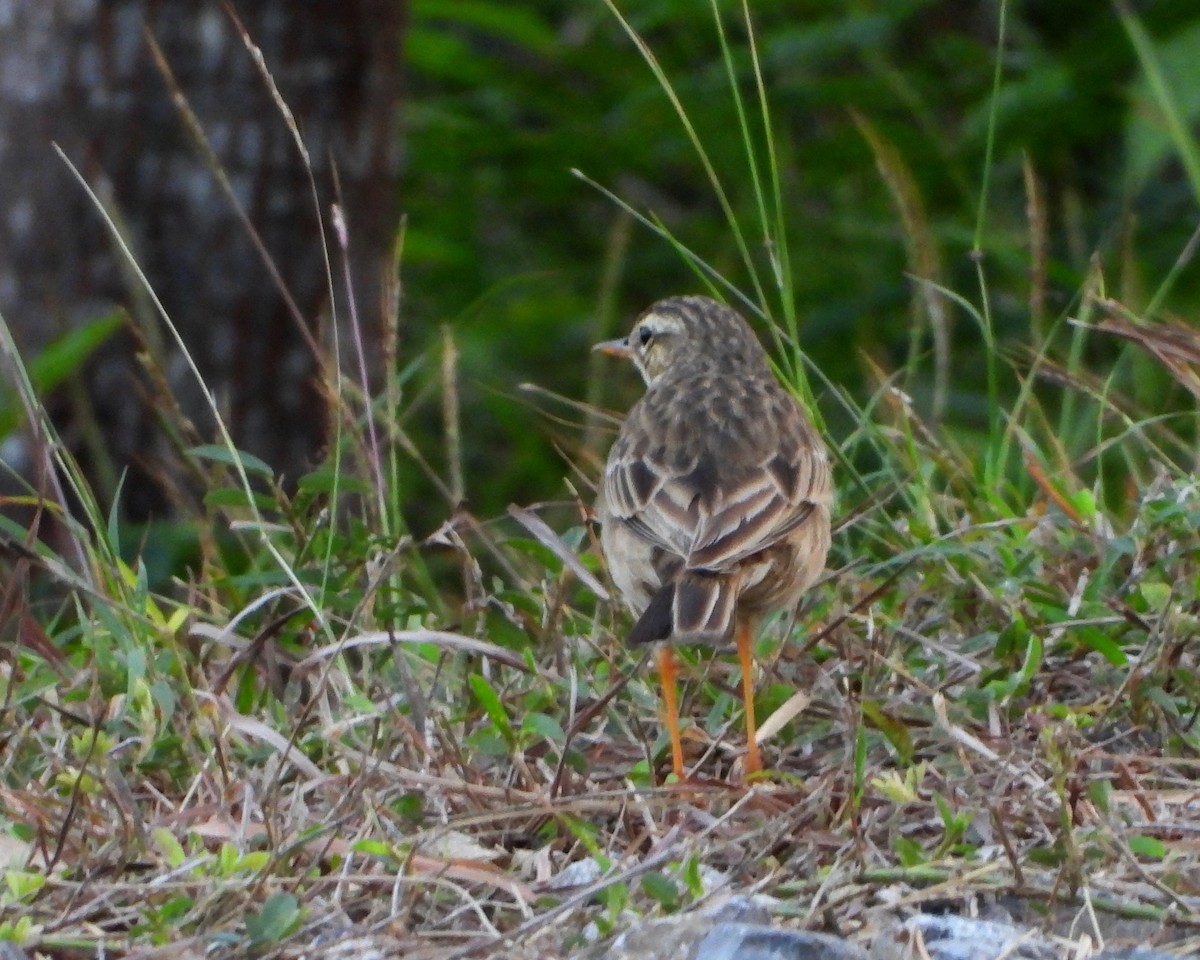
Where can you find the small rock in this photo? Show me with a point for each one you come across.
(960, 938)
(577, 874)
(751, 941)
(679, 937)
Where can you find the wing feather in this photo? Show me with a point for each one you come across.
(707, 495)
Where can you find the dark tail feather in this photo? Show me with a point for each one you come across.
(704, 607)
(655, 621)
(696, 607)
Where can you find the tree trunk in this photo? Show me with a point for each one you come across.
(79, 73)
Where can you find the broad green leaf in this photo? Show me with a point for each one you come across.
(1147, 847)
(490, 701)
(279, 916)
(662, 889)
(57, 362)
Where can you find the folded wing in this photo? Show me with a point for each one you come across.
(713, 511)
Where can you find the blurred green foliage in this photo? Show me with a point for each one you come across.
(59, 361)
(510, 249)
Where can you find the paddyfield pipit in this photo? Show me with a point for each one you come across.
(715, 501)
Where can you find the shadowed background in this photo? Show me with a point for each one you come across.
(879, 121)
(81, 75)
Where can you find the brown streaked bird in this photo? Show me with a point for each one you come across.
(715, 502)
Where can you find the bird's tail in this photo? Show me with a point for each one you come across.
(694, 607)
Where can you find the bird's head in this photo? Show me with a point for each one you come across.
(684, 335)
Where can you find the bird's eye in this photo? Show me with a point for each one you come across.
(644, 336)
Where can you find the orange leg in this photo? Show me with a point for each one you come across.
(666, 673)
(745, 647)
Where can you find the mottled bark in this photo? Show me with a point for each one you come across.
(79, 73)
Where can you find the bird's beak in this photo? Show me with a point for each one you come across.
(614, 348)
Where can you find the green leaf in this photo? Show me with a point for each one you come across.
(490, 701)
(1100, 793)
(326, 481)
(1047, 856)
(487, 742)
(545, 727)
(1103, 644)
(692, 876)
(59, 361)
(279, 916)
(1156, 594)
(23, 932)
(1003, 689)
(909, 851)
(860, 763)
(164, 698)
(588, 834)
(236, 497)
(615, 897)
(374, 848)
(411, 807)
(168, 846)
(219, 454)
(227, 858)
(1084, 502)
(64, 358)
(22, 884)
(1147, 847)
(254, 861)
(662, 889)
(175, 909)
(896, 732)
(1164, 105)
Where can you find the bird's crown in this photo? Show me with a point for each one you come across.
(681, 335)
